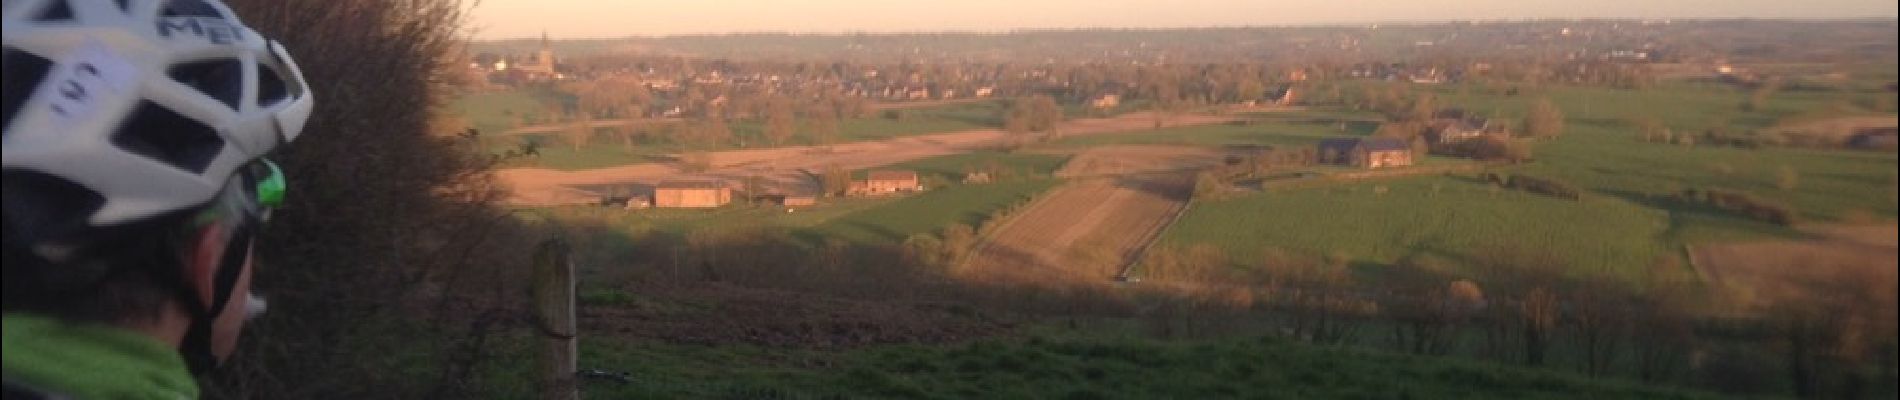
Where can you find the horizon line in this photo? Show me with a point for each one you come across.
(1363, 24)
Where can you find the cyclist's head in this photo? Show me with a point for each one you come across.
(134, 175)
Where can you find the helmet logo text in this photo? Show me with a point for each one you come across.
(216, 31)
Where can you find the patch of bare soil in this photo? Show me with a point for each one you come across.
(790, 169)
(1838, 129)
(1087, 231)
(1773, 271)
(1132, 159)
(721, 314)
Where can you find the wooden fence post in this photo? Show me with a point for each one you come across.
(554, 319)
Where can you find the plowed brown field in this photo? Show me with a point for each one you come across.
(1087, 231)
(1780, 270)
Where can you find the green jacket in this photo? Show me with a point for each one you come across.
(91, 361)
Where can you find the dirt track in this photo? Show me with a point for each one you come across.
(1088, 230)
(787, 169)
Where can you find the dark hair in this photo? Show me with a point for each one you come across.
(126, 278)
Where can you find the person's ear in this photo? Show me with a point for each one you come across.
(201, 269)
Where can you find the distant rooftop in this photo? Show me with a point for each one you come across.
(892, 175)
(1370, 143)
(1385, 144)
(691, 184)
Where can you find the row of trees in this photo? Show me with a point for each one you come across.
(784, 121)
(1409, 114)
(816, 123)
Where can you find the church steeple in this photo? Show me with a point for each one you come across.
(545, 57)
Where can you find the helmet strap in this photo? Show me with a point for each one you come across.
(196, 346)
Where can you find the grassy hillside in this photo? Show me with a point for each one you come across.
(1828, 184)
(1620, 227)
(928, 212)
(1075, 368)
(1439, 216)
(1601, 149)
(1623, 225)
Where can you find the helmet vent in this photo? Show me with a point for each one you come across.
(189, 8)
(23, 72)
(221, 79)
(161, 134)
(270, 88)
(55, 12)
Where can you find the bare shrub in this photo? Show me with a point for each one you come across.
(399, 284)
(1786, 178)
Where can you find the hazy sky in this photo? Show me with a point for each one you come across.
(614, 18)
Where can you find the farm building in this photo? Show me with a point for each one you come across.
(1447, 131)
(1874, 138)
(691, 194)
(1377, 152)
(885, 182)
(639, 203)
(788, 200)
(799, 200)
(1454, 125)
(627, 202)
(977, 177)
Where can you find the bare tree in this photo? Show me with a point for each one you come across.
(1038, 113)
(1537, 317)
(1423, 108)
(1017, 119)
(1600, 318)
(419, 243)
(958, 241)
(1651, 129)
(1544, 120)
(1758, 99)
(1316, 294)
(1786, 178)
(835, 180)
(821, 122)
(1666, 334)
(579, 132)
(780, 124)
(1045, 115)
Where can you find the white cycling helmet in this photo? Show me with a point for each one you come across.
(118, 111)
